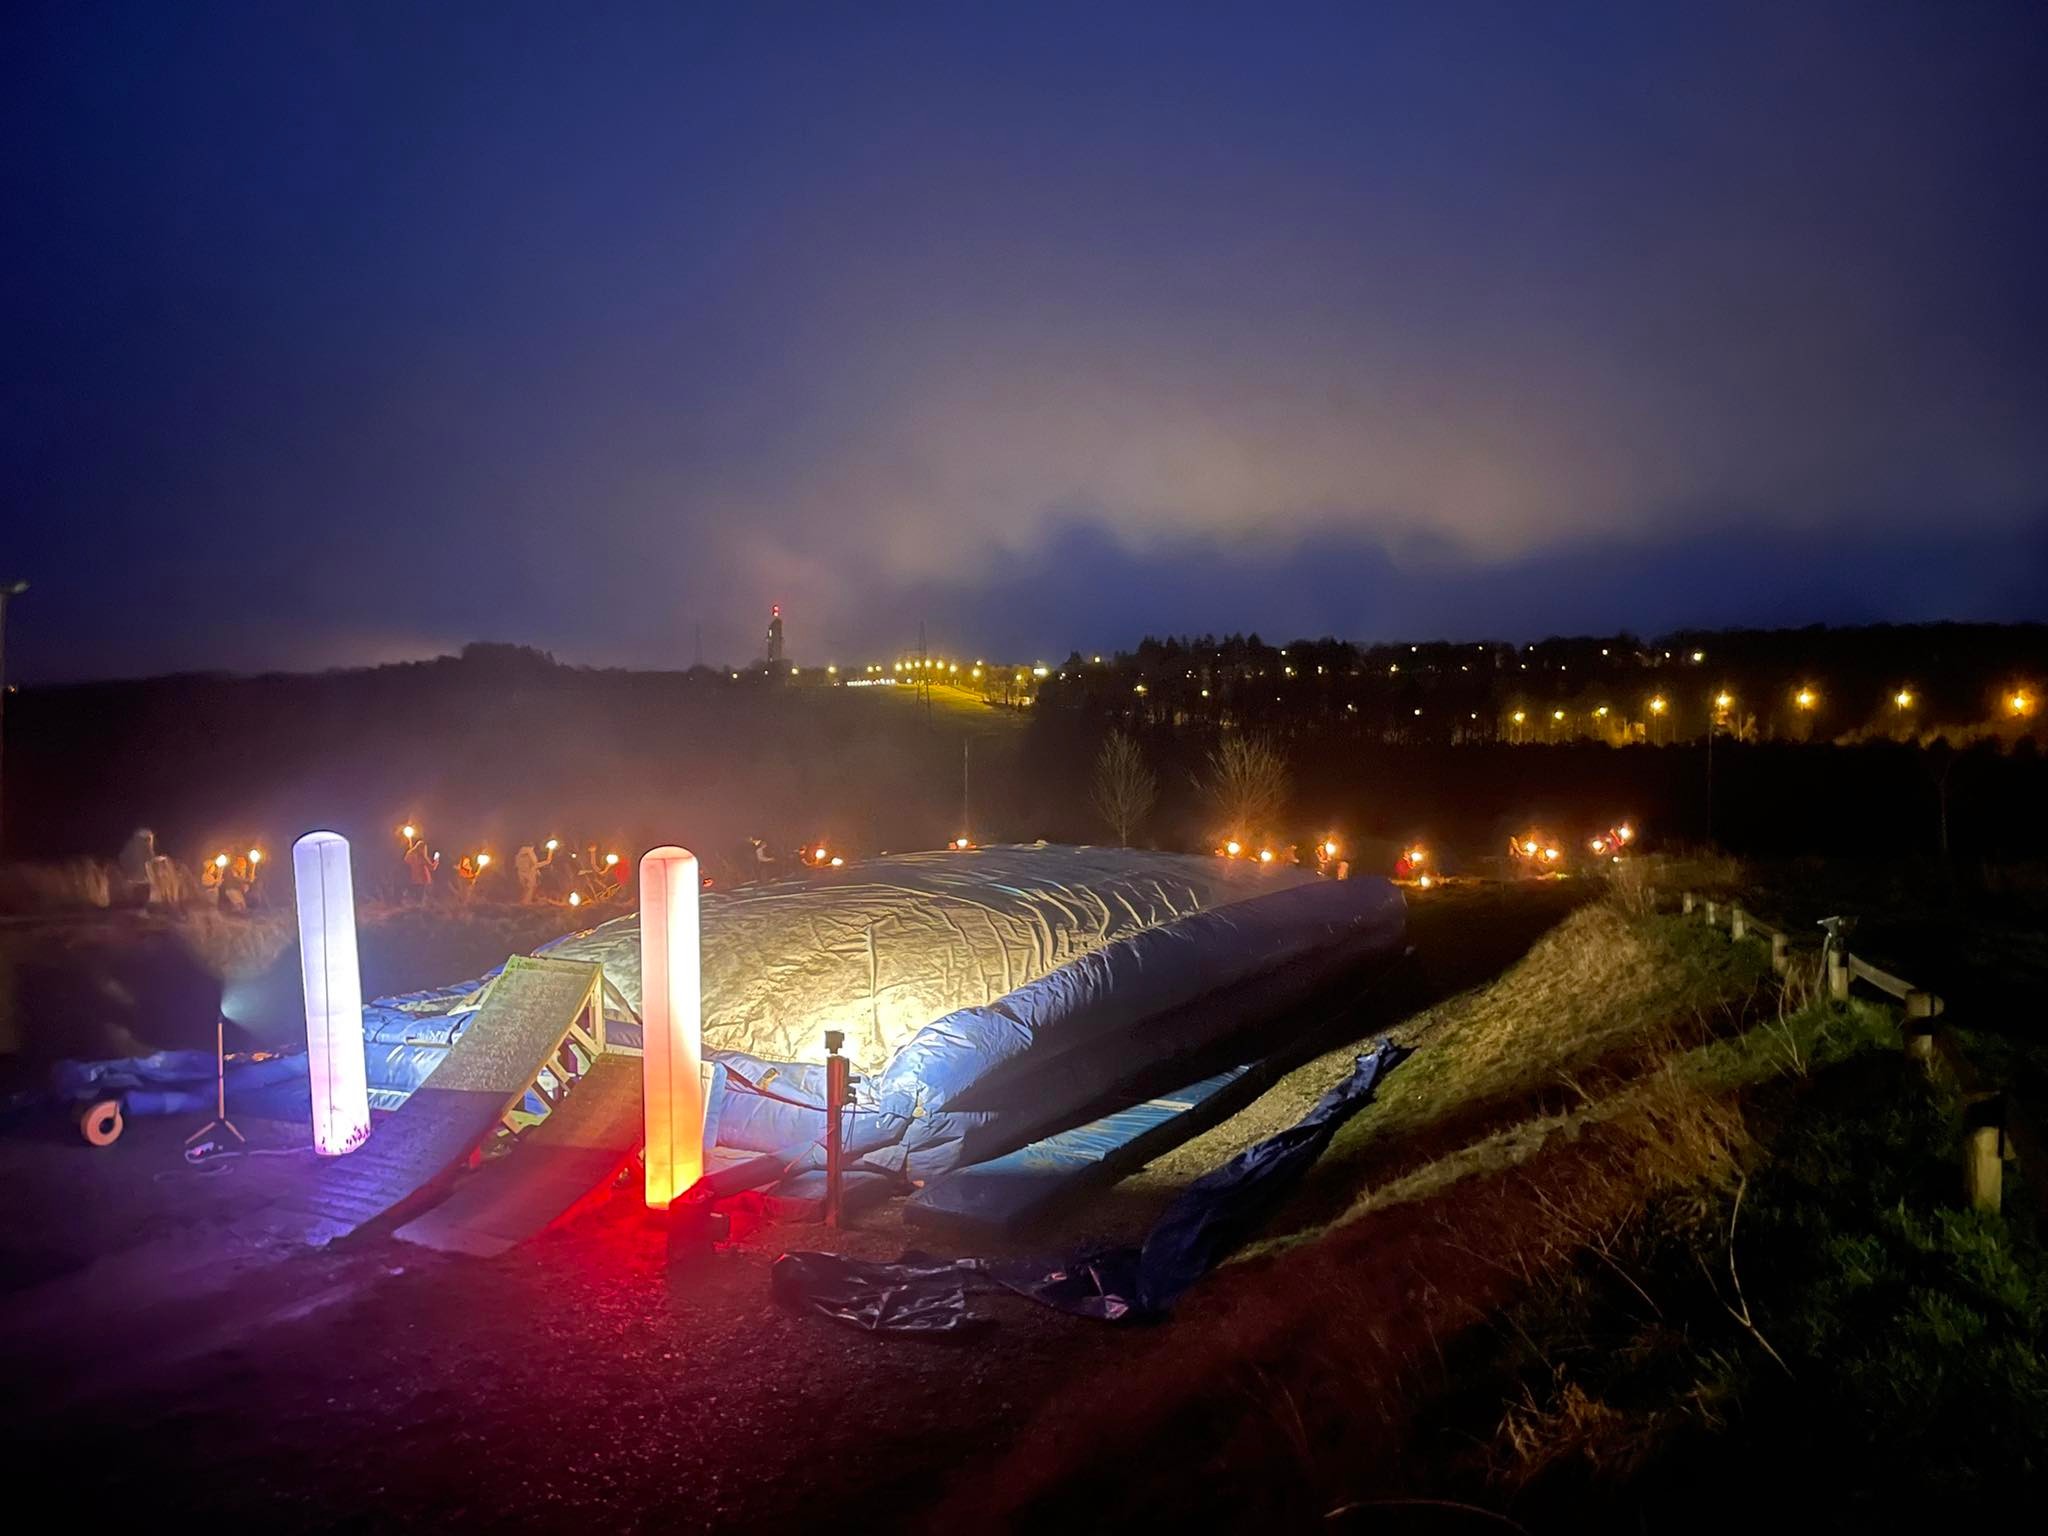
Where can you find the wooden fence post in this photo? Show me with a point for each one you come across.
(1983, 1160)
(1921, 1007)
(1838, 976)
(1781, 961)
(1685, 900)
(1738, 926)
(1713, 912)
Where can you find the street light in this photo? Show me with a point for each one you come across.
(7, 589)
(2019, 702)
(1722, 701)
(1903, 699)
(1806, 698)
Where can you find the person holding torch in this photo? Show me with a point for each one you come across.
(420, 864)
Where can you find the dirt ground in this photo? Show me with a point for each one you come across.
(155, 1359)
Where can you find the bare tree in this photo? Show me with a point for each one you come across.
(1124, 786)
(1247, 784)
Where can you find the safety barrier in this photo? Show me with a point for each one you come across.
(1996, 1130)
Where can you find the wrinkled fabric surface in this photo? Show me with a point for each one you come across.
(985, 1080)
(165, 1082)
(1212, 1218)
(787, 959)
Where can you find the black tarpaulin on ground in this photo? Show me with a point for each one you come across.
(1209, 1220)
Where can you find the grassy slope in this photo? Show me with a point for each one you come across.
(1513, 1281)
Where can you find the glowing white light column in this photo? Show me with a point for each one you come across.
(671, 1013)
(334, 992)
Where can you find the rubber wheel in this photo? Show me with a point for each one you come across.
(100, 1123)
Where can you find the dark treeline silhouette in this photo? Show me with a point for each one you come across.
(503, 745)
(1881, 800)
(1909, 740)
(1817, 684)
(497, 747)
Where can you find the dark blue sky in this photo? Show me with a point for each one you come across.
(348, 333)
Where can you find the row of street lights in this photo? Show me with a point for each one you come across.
(2018, 704)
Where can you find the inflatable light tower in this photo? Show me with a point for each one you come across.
(672, 1093)
(334, 992)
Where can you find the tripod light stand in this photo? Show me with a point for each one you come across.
(220, 1120)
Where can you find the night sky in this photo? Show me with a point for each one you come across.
(340, 334)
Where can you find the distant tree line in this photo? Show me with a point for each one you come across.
(1907, 740)
(1903, 683)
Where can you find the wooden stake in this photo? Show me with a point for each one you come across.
(1983, 1164)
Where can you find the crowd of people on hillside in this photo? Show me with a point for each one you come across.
(554, 872)
(549, 873)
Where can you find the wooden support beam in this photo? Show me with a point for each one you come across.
(1781, 958)
(619, 998)
(1862, 970)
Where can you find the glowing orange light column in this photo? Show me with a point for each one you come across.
(671, 1011)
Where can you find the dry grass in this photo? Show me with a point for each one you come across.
(231, 946)
(1575, 1035)
(1597, 983)
(1800, 991)
(1549, 1127)
(1670, 1127)
(70, 885)
(1632, 887)
(1574, 1427)
(1704, 870)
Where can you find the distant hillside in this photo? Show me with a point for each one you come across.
(497, 746)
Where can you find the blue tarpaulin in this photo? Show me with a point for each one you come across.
(1212, 1217)
(1007, 1192)
(168, 1082)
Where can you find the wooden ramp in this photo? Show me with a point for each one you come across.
(539, 1031)
(578, 1149)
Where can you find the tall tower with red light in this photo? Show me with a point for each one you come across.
(775, 652)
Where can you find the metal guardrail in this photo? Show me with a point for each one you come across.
(1995, 1128)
